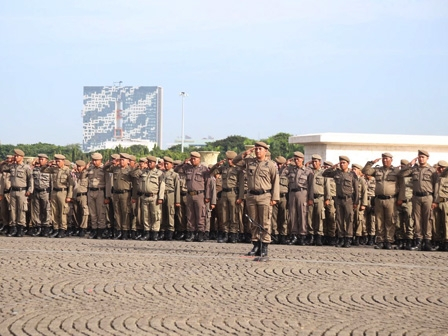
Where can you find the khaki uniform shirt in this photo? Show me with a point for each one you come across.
(61, 178)
(197, 178)
(82, 182)
(318, 182)
(150, 181)
(121, 177)
(386, 179)
(283, 180)
(96, 177)
(301, 178)
(405, 188)
(172, 184)
(20, 176)
(424, 179)
(42, 181)
(346, 183)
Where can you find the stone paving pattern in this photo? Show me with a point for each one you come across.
(103, 287)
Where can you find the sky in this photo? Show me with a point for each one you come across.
(252, 68)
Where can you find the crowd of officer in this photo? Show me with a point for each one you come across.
(247, 197)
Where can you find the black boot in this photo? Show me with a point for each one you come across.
(356, 241)
(99, 233)
(200, 237)
(232, 238)
(264, 250)
(117, 234)
(370, 240)
(318, 240)
(427, 246)
(302, 240)
(62, 233)
(169, 235)
(55, 233)
(387, 246)
(93, 234)
(309, 240)
(82, 233)
(161, 235)
(248, 238)
(293, 240)
(213, 235)
(19, 231)
(145, 236)
(240, 237)
(133, 234)
(222, 237)
(379, 246)
(255, 249)
(138, 234)
(124, 235)
(155, 235)
(347, 242)
(45, 231)
(37, 231)
(409, 244)
(190, 236)
(12, 231)
(417, 245)
(282, 239)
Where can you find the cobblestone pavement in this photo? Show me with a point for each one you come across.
(102, 287)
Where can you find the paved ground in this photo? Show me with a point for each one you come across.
(102, 287)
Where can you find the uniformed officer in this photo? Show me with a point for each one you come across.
(40, 200)
(330, 210)
(442, 201)
(61, 194)
(21, 187)
(370, 227)
(134, 205)
(316, 211)
(405, 225)
(197, 182)
(121, 195)
(424, 200)
(347, 198)
(171, 199)
(151, 191)
(359, 212)
(231, 176)
(301, 196)
(263, 193)
(280, 209)
(181, 213)
(386, 194)
(80, 190)
(5, 190)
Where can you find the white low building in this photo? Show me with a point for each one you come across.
(361, 148)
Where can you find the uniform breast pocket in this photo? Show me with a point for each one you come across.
(169, 182)
(415, 176)
(427, 177)
(392, 178)
(20, 173)
(154, 180)
(337, 180)
(63, 178)
(189, 176)
(347, 183)
(319, 180)
(198, 177)
(378, 177)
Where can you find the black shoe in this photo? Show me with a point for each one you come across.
(93, 234)
(99, 233)
(387, 246)
(282, 240)
(117, 234)
(356, 241)
(190, 236)
(146, 235)
(169, 235)
(302, 240)
(379, 246)
(241, 237)
(417, 245)
(62, 233)
(133, 234)
(55, 233)
(427, 246)
(154, 236)
(19, 231)
(213, 235)
(12, 231)
(180, 235)
(248, 238)
(200, 237)
(370, 240)
(82, 233)
(45, 231)
(347, 242)
(124, 235)
(309, 240)
(293, 240)
(138, 234)
(161, 235)
(318, 240)
(264, 250)
(233, 238)
(340, 242)
(37, 231)
(255, 249)
(222, 237)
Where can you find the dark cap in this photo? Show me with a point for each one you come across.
(168, 159)
(404, 162)
(299, 154)
(387, 155)
(42, 156)
(423, 152)
(59, 157)
(19, 152)
(261, 144)
(230, 155)
(96, 156)
(195, 154)
(316, 157)
(280, 160)
(80, 163)
(152, 158)
(344, 158)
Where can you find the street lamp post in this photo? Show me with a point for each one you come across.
(183, 95)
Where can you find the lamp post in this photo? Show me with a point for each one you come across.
(183, 95)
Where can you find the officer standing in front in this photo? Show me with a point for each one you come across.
(22, 186)
(40, 201)
(263, 193)
(172, 197)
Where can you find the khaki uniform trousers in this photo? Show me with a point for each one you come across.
(97, 209)
(40, 209)
(196, 212)
(168, 211)
(298, 212)
(370, 221)
(59, 209)
(4, 208)
(359, 222)
(405, 220)
(151, 213)
(330, 220)
(122, 210)
(280, 217)
(422, 213)
(230, 223)
(18, 206)
(385, 214)
(81, 211)
(181, 215)
(443, 220)
(344, 217)
(260, 210)
(316, 216)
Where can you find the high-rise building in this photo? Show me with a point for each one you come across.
(121, 115)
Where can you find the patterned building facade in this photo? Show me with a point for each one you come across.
(114, 115)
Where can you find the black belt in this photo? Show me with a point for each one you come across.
(283, 195)
(259, 192)
(443, 199)
(385, 197)
(96, 189)
(7, 191)
(229, 189)
(318, 195)
(81, 194)
(59, 189)
(183, 193)
(120, 191)
(195, 192)
(39, 190)
(422, 194)
(18, 188)
(146, 194)
(406, 201)
(297, 189)
(344, 197)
